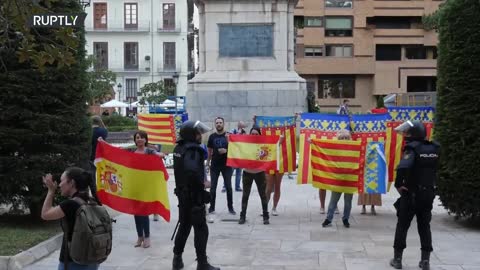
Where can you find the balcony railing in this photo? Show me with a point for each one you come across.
(166, 70)
(120, 26)
(120, 67)
(162, 28)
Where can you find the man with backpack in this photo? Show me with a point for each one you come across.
(87, 226)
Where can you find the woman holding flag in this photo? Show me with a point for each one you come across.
(142, 223)
(259, 177)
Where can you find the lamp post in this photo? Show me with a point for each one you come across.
(84, 3)
(175, 77)
(119, 88)
(340, 91)
(175, 81)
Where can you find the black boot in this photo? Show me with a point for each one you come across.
(266, 218)
(396, 262)
(204, 265)
(425, 262)
(241, 220)
(177, 263)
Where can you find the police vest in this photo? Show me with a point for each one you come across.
(181, 148)
(424, 170)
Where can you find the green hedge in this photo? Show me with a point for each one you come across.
(121, 128)
(457, 115)
(118, 120)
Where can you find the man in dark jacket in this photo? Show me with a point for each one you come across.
(190, 189)
(415, 181)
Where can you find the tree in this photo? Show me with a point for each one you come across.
(456, 126)
(380, 101)
(154, 93)
(311, 103)
(100, 83)
(38, 47)
(43, 121)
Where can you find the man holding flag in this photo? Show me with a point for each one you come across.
(192, 197)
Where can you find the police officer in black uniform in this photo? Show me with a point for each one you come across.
(189, 181)
(415, 181)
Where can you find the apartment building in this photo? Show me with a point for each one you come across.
(362, 49)
(142, 41)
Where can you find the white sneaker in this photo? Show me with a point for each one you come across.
(156, 217)
(322, 211)
(274, 212)
(210, 218)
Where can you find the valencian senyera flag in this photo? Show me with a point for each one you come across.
(253, 152)
(375, 172)
(131, 183)
(286, 126)
(161, 128)
(320, 126)
(371, 130)
(336, 165)
(395, 142)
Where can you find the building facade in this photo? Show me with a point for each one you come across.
(364, 49)
(142, 41)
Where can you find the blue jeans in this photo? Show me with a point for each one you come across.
(143, 226)
(238, 178)
(347, 201)
(75, 266)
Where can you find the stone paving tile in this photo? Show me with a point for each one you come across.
(295, 240)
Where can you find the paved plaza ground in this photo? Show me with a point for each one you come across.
(295, 239)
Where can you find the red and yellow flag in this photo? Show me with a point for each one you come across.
(336, 165)
(253, 152)
(394, 146)
(131, 183)
(395, 142)
(159, 127)
(304, 173)
(286, 126)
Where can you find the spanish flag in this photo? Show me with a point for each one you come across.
(161, 128)
(254, 152)
(286, 126)
(131, 183)
(336, 165)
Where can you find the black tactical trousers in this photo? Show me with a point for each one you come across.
(261, 182)
(192, 217)
(419, 204)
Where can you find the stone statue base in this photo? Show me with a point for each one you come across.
(239, 99)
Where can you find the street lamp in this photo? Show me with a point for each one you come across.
(340, 91)
(84, 3)
(175, 81)
(119, 88)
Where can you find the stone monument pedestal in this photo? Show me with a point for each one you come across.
(246, 62)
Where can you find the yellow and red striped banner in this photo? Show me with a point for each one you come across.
(304, 173)
(253, 152)
(394, 146)
(287, 156)
(131, 183)
(286, 126)
(337, 165)
(395, 142)
(159, 127)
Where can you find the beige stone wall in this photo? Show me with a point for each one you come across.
(372, 77)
